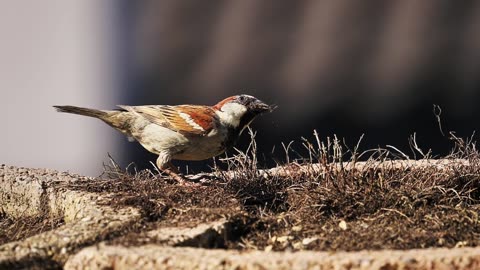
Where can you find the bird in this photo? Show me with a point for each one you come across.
(181, 132)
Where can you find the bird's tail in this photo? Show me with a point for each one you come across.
(82, 111)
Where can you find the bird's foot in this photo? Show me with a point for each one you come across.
(204, 178)
(182, 181)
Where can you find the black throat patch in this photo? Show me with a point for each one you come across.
(234, 132)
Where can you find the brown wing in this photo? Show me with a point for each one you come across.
(178, 118)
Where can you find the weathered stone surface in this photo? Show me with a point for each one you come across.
(59, 243)
(21, 192)
(294, 169)
(438, 164)
(155, 257)
(29, 192)
(41, 193)
(88, 221)
(206, 235)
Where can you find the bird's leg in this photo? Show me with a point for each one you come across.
(167, 167)
(172, 167)
(173, 172)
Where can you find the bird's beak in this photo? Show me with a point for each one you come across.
(261, 107)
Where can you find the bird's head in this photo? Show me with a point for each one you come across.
(240, 110)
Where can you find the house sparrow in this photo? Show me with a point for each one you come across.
(182, 132)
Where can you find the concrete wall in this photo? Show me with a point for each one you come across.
(55, 52)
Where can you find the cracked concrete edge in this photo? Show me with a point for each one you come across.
(156, 257)
(42, 192)
(23, 191)
(58, 244)
(82, 213)
(448, 165)
(205, 235)
(36, 192)
(27, 192)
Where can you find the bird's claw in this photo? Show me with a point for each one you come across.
(204, 178)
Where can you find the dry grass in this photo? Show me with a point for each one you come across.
(335, 208)
(18, 229)
(322, 201)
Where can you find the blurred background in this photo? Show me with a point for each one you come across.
(340, 67)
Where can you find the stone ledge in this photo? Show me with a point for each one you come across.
(155, 257)
(38, 192)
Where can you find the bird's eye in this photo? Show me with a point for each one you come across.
(242, 99)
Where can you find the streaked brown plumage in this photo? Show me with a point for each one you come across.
(182, 132)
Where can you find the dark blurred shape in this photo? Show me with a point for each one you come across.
(341, 67)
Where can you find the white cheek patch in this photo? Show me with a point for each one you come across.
(231, 113)
(234, 109)
(190, 121)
